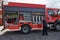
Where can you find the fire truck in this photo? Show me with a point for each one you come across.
(53, 18)
(27, 17)
(22, 17)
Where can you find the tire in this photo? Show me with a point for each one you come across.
(25, 29)
(51, 26)
(57, 27)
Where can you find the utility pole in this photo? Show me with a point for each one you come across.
(2, 13)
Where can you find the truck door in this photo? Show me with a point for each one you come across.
(52, 15)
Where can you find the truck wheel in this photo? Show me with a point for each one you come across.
(25, 29)
(50, 27)
(57, 27)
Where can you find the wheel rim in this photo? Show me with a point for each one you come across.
(25, 30)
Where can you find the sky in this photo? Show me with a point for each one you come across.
(48, 3)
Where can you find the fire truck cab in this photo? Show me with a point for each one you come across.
(53, 18)
(22, 17)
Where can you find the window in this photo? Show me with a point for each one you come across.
(51, 12)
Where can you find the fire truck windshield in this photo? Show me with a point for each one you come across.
(51, 12)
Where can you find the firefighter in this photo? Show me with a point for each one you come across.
(44, 27)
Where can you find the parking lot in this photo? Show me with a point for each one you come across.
(34, 35)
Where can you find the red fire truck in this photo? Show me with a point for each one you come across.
(26, 17)
(22, 17)
(53, 18)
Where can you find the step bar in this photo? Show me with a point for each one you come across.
(2, 31)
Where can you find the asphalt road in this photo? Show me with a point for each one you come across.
(34, 35)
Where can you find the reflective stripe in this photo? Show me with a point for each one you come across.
(37, 28)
